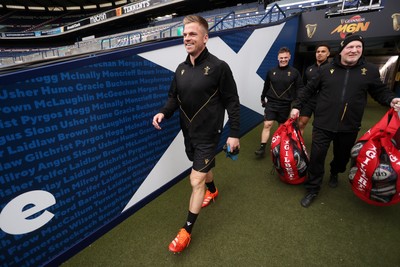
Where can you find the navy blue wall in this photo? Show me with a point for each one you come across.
(78, 151)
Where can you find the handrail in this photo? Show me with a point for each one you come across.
(221, 21)
(269, 13)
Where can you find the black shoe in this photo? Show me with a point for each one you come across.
(308, 199)
(260, 151)
(333, 181)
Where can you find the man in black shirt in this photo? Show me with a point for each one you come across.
(322, 53)
(202, 89)
(280, 88)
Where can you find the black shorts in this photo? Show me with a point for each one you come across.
(308, 109)
(202, 155)
(277, 112)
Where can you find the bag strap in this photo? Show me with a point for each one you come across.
(300, 141)
(394, 124)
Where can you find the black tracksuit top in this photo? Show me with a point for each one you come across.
(342, 94)
(281, 84)
(202, 92)
(312, 70)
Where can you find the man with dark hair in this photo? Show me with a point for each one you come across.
(342, 89)
(322, 53)
(202, 89)
(280, 88)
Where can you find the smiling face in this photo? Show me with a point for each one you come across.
(283, 59)
(195, 38)
(351, 53)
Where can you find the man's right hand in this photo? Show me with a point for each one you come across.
(157, 119)
(263, 103)
(294, 114)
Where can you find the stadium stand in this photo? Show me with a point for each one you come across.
(160, 24)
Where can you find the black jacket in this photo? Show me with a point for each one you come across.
(312, 70)
(309, 73)
(203, 92)
(281, 84)
(342, 94)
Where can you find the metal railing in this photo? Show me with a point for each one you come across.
(271, 13)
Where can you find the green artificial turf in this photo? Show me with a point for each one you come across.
(257, 220)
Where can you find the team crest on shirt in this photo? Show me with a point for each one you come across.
(289, 73)
(206, 69)
(363, 71)
(182, 72)
(331, 71)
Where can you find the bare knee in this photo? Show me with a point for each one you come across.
(268, 125)
(197, 179)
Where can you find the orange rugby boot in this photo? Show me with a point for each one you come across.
(208, 197)
(180, 242)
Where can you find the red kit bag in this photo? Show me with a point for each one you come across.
(376, 162)
(289, 154)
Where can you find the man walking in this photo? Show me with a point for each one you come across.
(202, 89)
(322, 53)
(280, 88)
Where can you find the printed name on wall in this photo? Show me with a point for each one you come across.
(82, 137)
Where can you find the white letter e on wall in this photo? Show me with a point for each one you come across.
(14, 219)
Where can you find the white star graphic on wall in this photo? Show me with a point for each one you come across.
(244, 66)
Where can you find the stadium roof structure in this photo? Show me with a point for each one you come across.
(60, 5)
(92, 5)
(25, 17)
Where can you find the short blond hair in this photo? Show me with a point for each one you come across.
(198, 19)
